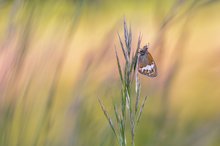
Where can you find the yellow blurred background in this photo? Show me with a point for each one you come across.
(57, 57)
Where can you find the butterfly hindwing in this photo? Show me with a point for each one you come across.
(146, 65)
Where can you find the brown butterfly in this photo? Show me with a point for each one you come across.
(146, 64)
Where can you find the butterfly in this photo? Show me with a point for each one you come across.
(146, 63)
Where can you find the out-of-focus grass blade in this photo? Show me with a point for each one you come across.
(119, 66)
(108, 117)
(141, 109)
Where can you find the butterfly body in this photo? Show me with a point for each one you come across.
(146, 64)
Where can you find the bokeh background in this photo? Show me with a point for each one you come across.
(57, 57)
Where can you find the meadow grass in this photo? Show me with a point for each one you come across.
(130, 109)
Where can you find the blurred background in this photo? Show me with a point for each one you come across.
(57, 57)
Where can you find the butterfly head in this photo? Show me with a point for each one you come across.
(143, 51)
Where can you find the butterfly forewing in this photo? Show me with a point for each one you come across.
(146, 65)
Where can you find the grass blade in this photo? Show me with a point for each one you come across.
(108, 117)
(126, 35)
(117, 114)
(135, 56)
(129, 41)
(141, 109)
(125, 52)
(138, 90)
(119, 66)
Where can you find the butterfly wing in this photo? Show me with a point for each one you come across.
(146, 65)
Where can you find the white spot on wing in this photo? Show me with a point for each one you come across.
(148, 68)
